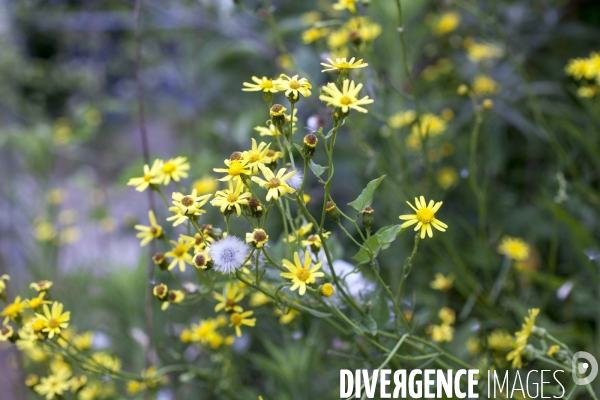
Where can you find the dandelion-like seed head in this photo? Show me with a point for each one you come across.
(295, 181)
(229, 254)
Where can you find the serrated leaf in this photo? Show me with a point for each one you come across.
(366, 197)
(316, 168)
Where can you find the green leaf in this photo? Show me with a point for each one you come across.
(362, 256)
(316, 168)
(368, 324)
(366, 197)
(387, 235)
(380, 241)
(380, 309)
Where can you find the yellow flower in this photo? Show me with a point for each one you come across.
(485, 85)
(301, 275)
(430, 125)
(6, 332)
(197, 241)
(12, 311)
(587, 91)
(180, 254)
(205, 185)
(234, 169)
(258, 299)
(256, 156)
(175, 168)
(233, 198)
(287, 316)
(54, 319)
(147, 233)
(446, 23)
(173, 297)
(339, 38)
(293, 86)
(473, 345)
(265, 85)
(440, 282)
(553, 349)
(442, 333)
(300, 233)
(151, 177)
(312, 34)
(31, 380)
(367, 30)
(499, 340)
(56, 196)
(346, 4)
(185, 206)
(345, 99)
(239, 319)
(270, 130)
(402, 119)
(53, 385)
(514, 248)
(483, 51)
(327, 290)
(276, 184)
(447, 177)
(580, 68)
(161, 291)
(229, 300)
(134, 387)
(314, 240)
(521, 338)
(37, 302)
(424, 217)
(447, 315)
(3, 279)
(105, 360)
(83, 341)
(340, 64)
(258, 238)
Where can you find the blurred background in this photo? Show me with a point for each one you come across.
(69, 141)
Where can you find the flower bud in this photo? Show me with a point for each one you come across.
(488, 104)
(355, 38)
(255, 208)
(160, 291)
(326, 290)
(332, 211)
(160, 260)
(367, 217)
(278, 115)
(310, 145)
(236, 155)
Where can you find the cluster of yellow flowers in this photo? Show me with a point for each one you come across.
(587, 69)
(444, 332)
(41, 329)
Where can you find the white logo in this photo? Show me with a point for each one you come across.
(579, 368)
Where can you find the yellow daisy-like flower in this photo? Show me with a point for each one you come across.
(239, 319)
(580, 68)
(234, 169)
(173, 297)
(161, 291)
(205, 185)
(12, 310)
(293, 86)
(276, 184)
(499, 340)
(447, 315)
(446, 23)
(233, 198)
(54, 319)
(431, 124)
(514, 248)
(180, 254)
(147, 233)
(347, 98)
(300, 233)
(258, 238)
(230, 299)
(287, 316)
(41, 286)
(202, 258)
(340, 64)
(312, 34)
(442, 333)
(53, 385)
(483, 84)
(441, 282)
(270, 130)
(260, 85)
(175, 168)
(186, 205)
(314, 240)
(424, 217)
(521, 338)
(152, 176)
(338, 39)
(402, 119)
(197, 241)
(3, 280)
(301, 274)
(349, 5)
(256, 156)
(83, 341)
(478, 52)
(6, 332)
(37, 302)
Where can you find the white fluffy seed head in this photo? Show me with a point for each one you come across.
(295, 182)
(229, 254)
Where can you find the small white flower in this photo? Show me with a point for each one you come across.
(295, 182)
(229, 254)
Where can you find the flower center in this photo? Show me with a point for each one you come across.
(268, 84)
(312, 238)
(254, 157)
(147, 177)
(235, 168)
(4, 330)
(187, 201)
(345, 100)
(425, 215)
(236, 319)
(230, 303)
(153, 230)
(259, 236)
(168, 168)
(199, 260)
(274, 182)
(37, 325)
(179, 251)
(53, 323)
(294, 85)
(232, 198)
(302, 274)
